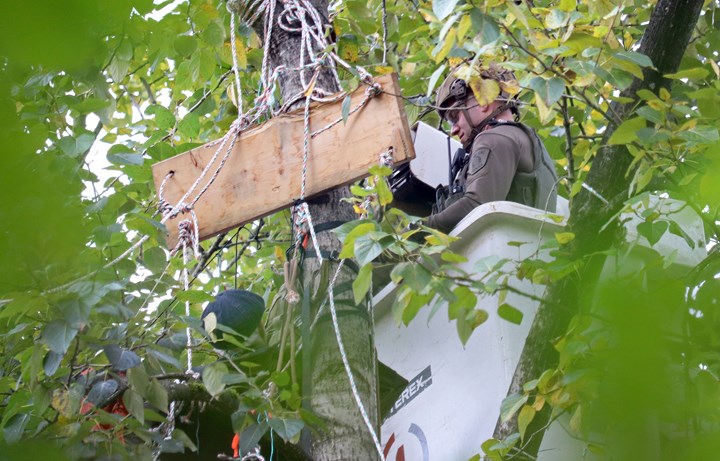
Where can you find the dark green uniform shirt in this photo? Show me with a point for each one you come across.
(507, 162)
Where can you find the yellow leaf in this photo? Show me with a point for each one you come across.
(564, 237)
(628, 39)
(568, 5)
(511, 87)
(454, 62)
(584, 80)
(527, 413)
(255, 41)
(60, 401)
(576, 420)
(715, 67)
(280, 254)
(464, 26)
(612, 40)
(517, 12)
(485, 90)
(311, 85)
(408, 68)
(231, 93)
(600, 31)
(383, 70)
(665, 95)
(449, 43)
(539, 403)
(655, 104)
(241, 54)
(544, 112)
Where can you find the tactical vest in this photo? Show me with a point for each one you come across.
(536, 188)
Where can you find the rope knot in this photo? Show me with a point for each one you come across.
(386, 158)
(185, 231)
(164, 207)
(373, 89)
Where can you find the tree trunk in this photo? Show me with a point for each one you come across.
(327, 389)
(664, 42)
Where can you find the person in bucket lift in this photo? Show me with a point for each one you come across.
(501, 158)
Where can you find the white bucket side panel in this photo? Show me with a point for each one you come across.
(452, 416)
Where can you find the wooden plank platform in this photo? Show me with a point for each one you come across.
(263, 172)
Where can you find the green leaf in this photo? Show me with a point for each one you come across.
(89, 105)
(155, 259)
(650, 114)
(185, 45)
(362, 283)
(212, 377)
(564, 237)
(251, 436)
(697, 73)
(549, 90)
(74, 146)
(102, 391)
(486, 28)
(157, 395)
(510, 405)
(701, 134)
(346, 108)
(138, 379)
(434, 79)
(443, 8)
(384, 193)
(52, 362)
(118, 69)
(367, 248)
(125, 159)
(121, 359)
(286, 428)
(58, 335)
(525, 417)
(135, 404)
(349, 232)
(556, 19)
(653, 230)
(465, 301)
(509, 313)
(635, 57)
(627, 131)
(414, 275)
(190, 125)
(675, 229)
(194, 296)
(14, 427)
(214, 35)
(380, 170)
(164, 119)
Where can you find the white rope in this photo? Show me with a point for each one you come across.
(346, 364)
(385, 30)
(236, 66)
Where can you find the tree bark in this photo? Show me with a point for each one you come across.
(664, 42)
(327, 391)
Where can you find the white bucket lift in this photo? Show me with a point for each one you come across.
(452, 401)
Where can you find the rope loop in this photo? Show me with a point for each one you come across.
(253, 456)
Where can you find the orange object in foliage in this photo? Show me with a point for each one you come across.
(236, 446)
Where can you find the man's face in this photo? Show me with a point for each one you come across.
(461, 126)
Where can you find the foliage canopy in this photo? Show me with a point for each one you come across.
(92, 94)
